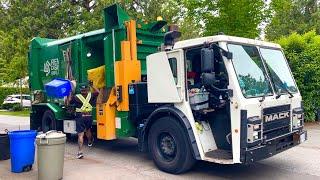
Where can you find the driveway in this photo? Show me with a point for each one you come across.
(120, 159)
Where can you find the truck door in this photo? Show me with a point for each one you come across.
(165, 72)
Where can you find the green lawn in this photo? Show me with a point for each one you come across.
(16, 113)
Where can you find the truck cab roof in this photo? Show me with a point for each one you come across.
(223, 38)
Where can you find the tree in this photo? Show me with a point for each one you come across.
(303, 54)
(291, 16)
(172, 11)
(21, 20)
(232, 17)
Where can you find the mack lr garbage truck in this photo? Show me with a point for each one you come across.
(220, 99)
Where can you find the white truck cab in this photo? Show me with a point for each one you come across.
(238, 96)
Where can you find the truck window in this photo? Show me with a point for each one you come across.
(250, 71)
(193, 64)
(279, 70)
(194, 71)
(174, 68)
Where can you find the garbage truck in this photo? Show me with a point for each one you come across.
(221, 99)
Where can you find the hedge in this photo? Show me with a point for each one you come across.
(303, 54)
(5, 91)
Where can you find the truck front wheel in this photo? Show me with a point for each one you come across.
(169, 146)
(48, 121)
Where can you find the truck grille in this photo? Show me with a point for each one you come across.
(276, 121)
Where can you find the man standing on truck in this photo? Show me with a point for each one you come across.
(83, 103)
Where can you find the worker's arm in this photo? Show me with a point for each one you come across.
(71, 103)
(95, 90)
(69, 99)
(73, 100)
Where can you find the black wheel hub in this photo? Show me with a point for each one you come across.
(167, 146)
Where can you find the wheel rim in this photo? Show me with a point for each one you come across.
(167, 146)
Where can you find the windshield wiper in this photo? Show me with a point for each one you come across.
(265, 93)
(287, 90)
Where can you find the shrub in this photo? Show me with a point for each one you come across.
(303, 54)
(17, 107)
(9, 106)
(6, 106)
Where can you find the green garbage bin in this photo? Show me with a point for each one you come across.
(50, 155)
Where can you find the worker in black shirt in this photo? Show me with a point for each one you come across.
(83, 103)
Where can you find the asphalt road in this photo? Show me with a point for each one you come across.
(120, 159)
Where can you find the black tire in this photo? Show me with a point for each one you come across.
(48, 121)
(169, 146)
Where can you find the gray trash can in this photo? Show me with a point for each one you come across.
(50, 155)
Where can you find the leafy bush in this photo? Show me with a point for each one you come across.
(9, 106)
(303, 53)
(5, 91)
(17, 107)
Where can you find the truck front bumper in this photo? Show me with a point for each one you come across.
(275, 146)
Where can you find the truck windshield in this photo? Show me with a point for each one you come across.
(279, 70)
(250, 71)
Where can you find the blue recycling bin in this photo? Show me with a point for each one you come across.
(22, 150)
(58, 88)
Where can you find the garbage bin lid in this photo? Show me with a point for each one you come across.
(3, 133)
(51, 138)
(52, 135)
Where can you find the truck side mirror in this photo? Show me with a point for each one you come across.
(228, 55)
(207, 60)
(225, 53)
(208, 79)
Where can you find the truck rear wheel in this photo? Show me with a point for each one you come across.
(169, 146)
(48, 121)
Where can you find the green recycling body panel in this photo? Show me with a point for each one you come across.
(73, 56)
(124, 127)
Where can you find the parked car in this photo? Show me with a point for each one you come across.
(15, 99)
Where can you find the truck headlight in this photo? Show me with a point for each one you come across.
(297, 118)
(254, 128)
(255, 135)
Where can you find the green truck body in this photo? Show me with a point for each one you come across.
(48, 59)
